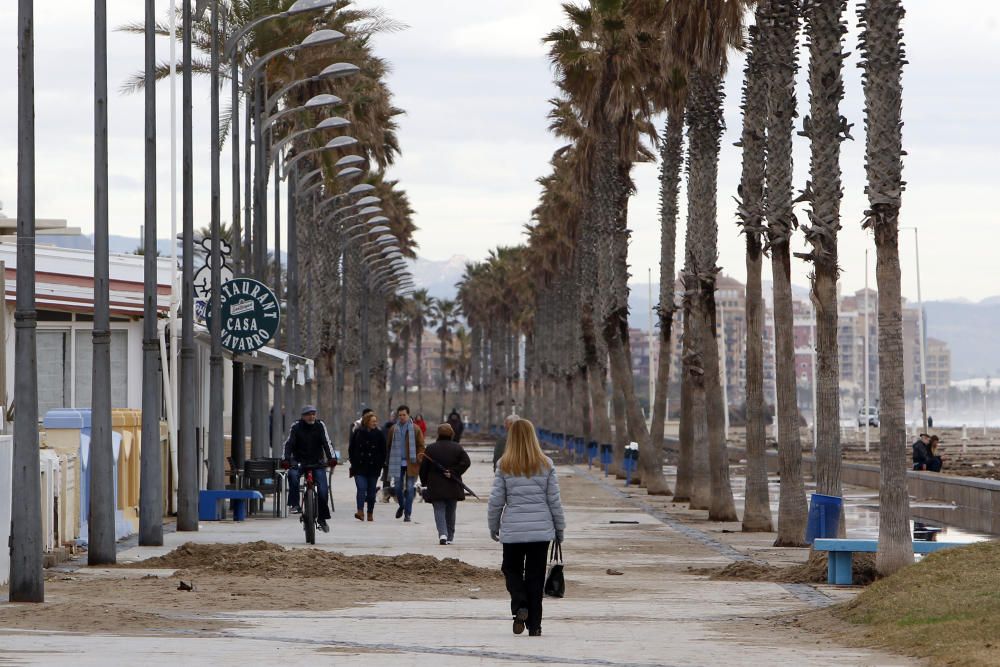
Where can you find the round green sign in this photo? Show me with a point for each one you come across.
(250, 315)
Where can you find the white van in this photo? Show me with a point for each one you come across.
(872, 419)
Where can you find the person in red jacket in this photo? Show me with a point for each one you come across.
(419, 421)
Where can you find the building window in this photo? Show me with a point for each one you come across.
(65, 361)
(53, 370)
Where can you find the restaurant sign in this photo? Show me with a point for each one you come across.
(250, 315)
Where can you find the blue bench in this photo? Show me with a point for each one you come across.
(841, 558)
(208, 503)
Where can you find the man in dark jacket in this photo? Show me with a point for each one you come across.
(441, 472)
(455, 421)
(308, 444)
(921, 452)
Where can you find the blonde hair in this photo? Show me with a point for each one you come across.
(523, 455)
(368, 417)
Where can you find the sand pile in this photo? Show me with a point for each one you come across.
(265, 559)
(814, 571)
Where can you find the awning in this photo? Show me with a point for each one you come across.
(292, 366)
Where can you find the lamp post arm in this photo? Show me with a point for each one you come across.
(245, 30)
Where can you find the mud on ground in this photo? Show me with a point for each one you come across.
(237, 577)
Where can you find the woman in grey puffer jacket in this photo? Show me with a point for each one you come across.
(525, 514)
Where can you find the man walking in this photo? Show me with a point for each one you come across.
(405, 443)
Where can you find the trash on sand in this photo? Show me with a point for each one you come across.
(614, 572)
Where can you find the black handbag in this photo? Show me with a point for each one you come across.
(555, 581)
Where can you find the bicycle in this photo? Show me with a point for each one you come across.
(310, 502)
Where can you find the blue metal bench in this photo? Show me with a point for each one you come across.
(208, 503)
(841, 555)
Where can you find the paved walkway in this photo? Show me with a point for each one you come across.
(654, 614)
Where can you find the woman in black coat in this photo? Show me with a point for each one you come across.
(367, 456)
(441, 473)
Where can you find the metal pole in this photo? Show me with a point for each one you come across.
(237, 431)
(920, 328)
(868, 435)
(363, 363)
(292, 308)
(216, 378)
(26, 581)
(258, 422)
(174, 361)
(151, 461)
(277, 416)
(101, 538)
(187, 483)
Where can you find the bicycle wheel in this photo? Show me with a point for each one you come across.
(309, 515)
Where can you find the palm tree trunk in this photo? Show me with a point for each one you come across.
(757, 506)
(705, 126)
(671, 160)
(882, 64)
(420, 370)
(825, 28)
(685, 458)
(782, 64)
(406, 368)
(723, 505)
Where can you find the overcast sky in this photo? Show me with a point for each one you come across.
(475, 82)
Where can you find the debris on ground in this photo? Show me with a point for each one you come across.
(268, 559)
(614, 572)
(814, 571)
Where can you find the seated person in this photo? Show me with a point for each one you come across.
(921, 452)
(934, 460)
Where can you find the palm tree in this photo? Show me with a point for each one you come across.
(460, 365)
(782, 23)
(444, 313)
(882, 62)
(826, 129)
(757, 508)
(421, 302)
(702, 33)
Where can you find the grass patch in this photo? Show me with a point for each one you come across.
(945, 608)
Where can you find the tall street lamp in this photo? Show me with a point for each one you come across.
(920, 332)
(26, 581)
(216, 435)
(187, 454)
(150, 477)
(101, 525)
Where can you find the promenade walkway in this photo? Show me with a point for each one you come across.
(654, 613)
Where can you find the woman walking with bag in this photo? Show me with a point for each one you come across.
(441, 475)
(367, 456)
(525, 514)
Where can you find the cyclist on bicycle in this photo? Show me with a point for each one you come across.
(308, 444)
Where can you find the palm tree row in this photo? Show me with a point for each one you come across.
(619, 65)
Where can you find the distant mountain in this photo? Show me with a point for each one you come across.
(438, 277)
(970, 329)
(120, 245)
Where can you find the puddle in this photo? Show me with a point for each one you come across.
(928, 518)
